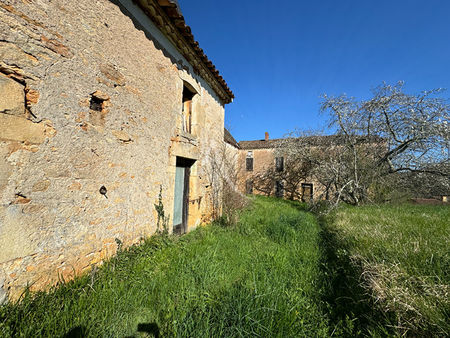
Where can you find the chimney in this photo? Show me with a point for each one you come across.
(267, 136)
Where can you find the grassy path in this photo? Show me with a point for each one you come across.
(260, 278)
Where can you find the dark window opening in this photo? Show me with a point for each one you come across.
(307, 192)
(279, 189)
(187, 109)
(249, 187)
(249, 160)
(96, 103)
(279, 163)
(249, 163)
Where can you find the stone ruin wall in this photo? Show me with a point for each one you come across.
(58, 59)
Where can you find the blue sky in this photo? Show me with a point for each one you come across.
(278, 57)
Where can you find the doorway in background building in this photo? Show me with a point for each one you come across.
(181, 195)
(307, 192)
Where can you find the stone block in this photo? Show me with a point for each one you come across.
(12, 98)
(32, 96)
(41, 185)
(56, 46)
(11, 54)
(122, 135)
(16, 232)
(3, 294)
(5, 168)
(14, 128)
(74, 186)
(111, 73)
(96, 118)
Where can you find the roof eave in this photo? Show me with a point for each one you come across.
(166, 15)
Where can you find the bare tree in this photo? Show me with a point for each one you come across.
(295, 169)
(412, 131)
(386, 137)
(340, 165)
(221, 171)
(415, 127)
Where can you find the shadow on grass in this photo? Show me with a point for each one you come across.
(352, 311)
(149, 328)
(76, 332)
(300, 206)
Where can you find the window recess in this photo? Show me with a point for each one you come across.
(249, 161)
(279, 164)
(187, 109)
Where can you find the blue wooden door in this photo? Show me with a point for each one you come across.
(178, 197)
(181, 195)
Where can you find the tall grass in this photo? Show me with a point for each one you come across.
(261, 277)
(400, 258)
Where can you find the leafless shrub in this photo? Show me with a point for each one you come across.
(233, 201)
(222, 174)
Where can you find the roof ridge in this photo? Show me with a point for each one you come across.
(263, 144)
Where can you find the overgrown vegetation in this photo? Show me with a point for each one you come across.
(365, 271)
(408, 134)
(162, 223)
(391, 146)
(261, 277)
(227, 200)
(389, 269)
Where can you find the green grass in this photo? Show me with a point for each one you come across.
(365, 271)
(389, 268)
(261, 277)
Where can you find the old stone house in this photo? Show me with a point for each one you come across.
(103, 105)
(302, 168)
(261, 166)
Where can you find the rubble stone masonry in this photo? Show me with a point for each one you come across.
(90, 96)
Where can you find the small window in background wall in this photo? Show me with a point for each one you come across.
(249, 164)
(187, 109)
(279, 189)
(249, 161)
(249, 187)
(279, 163)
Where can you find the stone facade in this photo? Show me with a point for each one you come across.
(90, 97)
(231, 157)
(263, 154)
(298, 167)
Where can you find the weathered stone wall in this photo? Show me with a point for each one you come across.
(59, 59)
(263, 159)
(233, 165)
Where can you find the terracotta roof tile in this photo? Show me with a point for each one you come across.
(228, 138)
(259, 144)
(309, 140)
